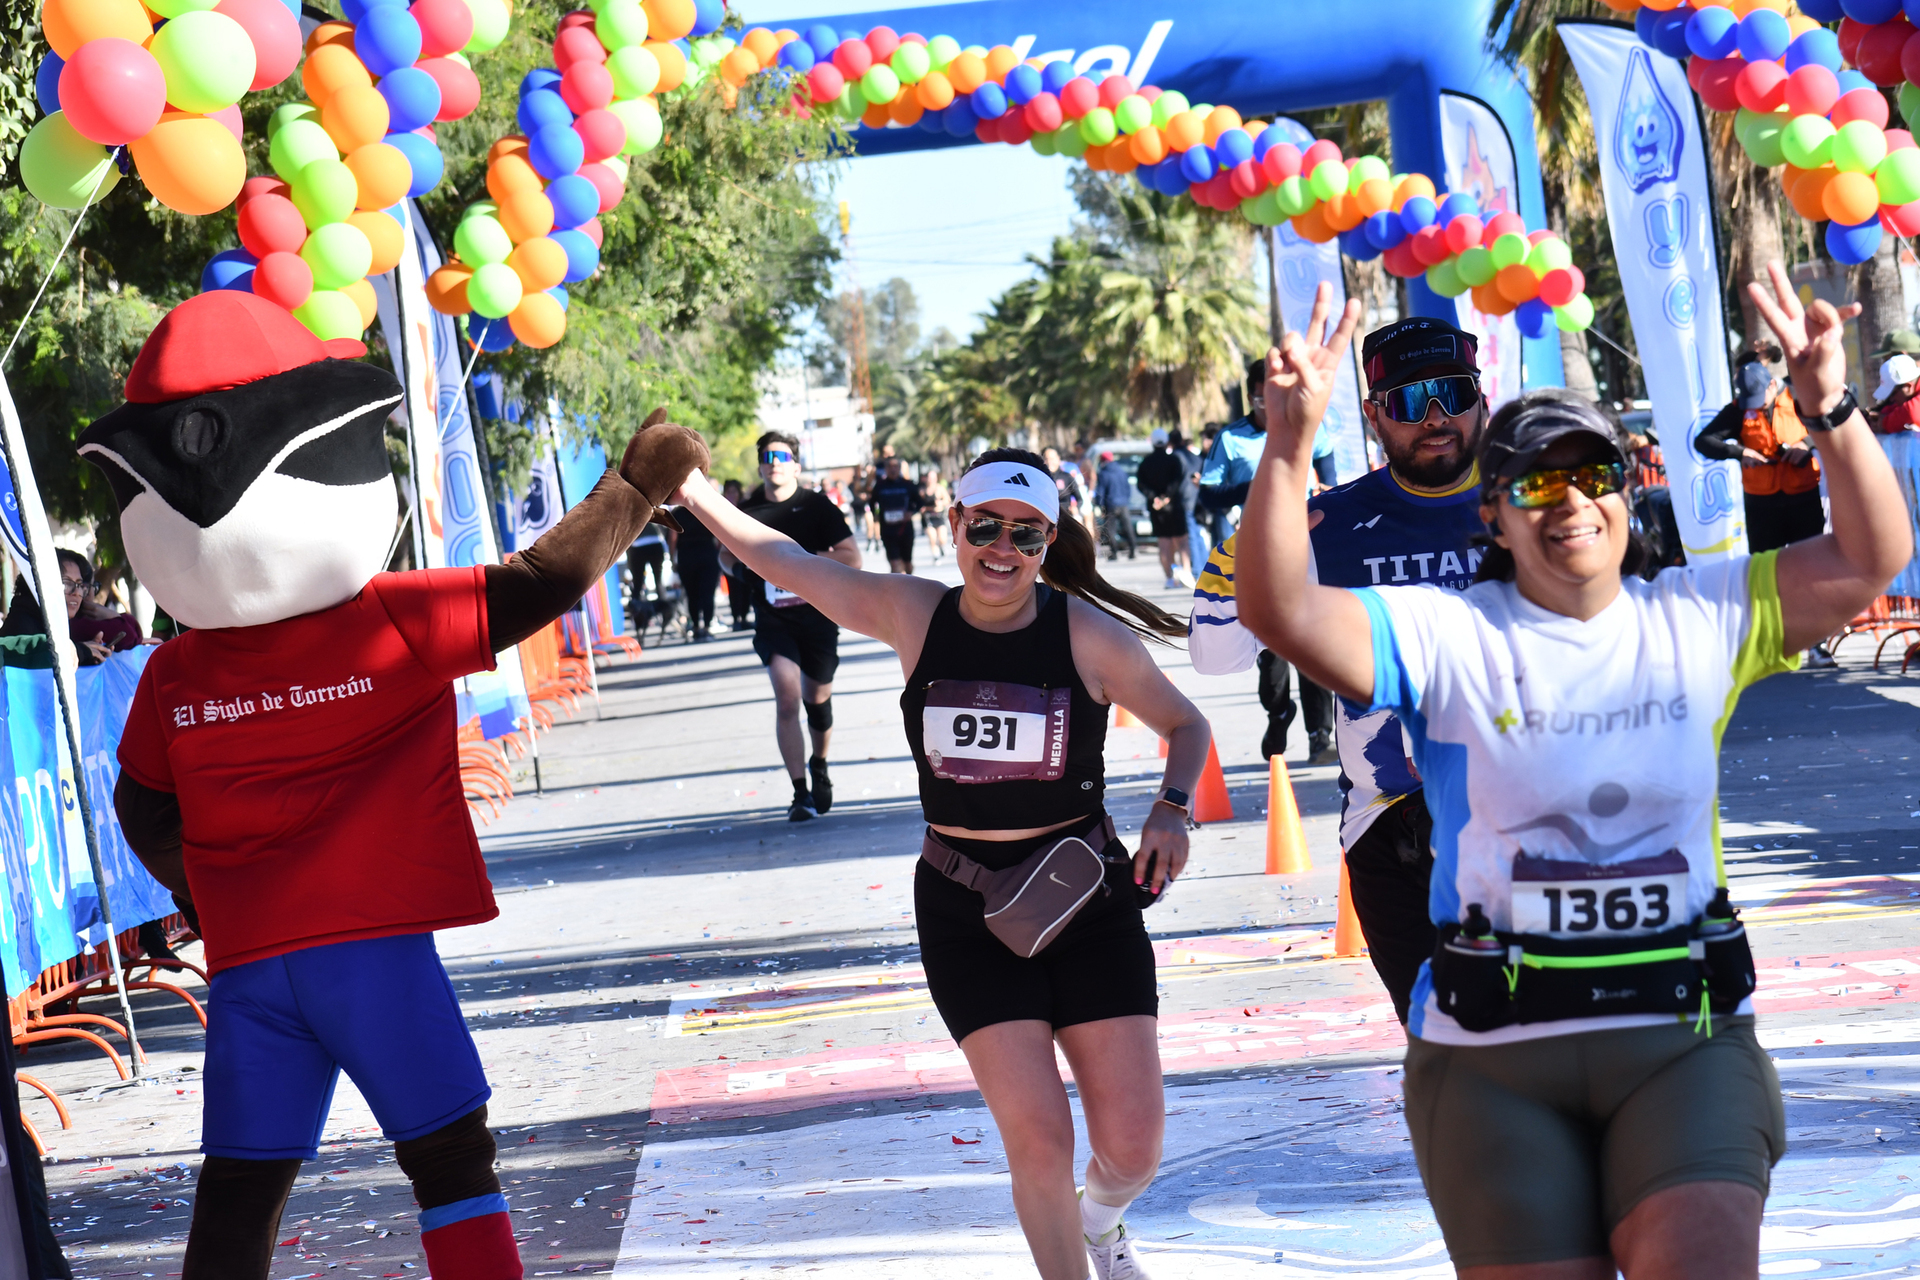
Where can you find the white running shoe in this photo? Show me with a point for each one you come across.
(1180, 573)
(1114, 1260)
(1173, 584)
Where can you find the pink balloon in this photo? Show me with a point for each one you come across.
(602, 134)
(607, 182)
(284, 279)
(264, 185)
(825, 82)
(112, 91)
(230, 116)
(445, 26)
(275, 34)
(271, 224)
(584, 85)
(592, 229)
(577, 44)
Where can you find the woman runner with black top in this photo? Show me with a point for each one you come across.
(1009, 677)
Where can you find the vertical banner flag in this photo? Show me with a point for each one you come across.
(540, 508)
(1479, 162)
(1300, 266)
(1660, 211)
(416, 372)
(106, 697)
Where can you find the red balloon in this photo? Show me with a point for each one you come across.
(1114, 90)
(1562, 285)
(825, 82)
(1430, 245)
(1713, 79)
(459, 87)
(1400, 261)
(592, 229)
(578, 18)
(112, 90)
(606, 182)
(1861, 104)
(1014, 129)
(853, 58)
(1812, 90)
(1761, 86)
(1501, 224)
(1881, 49)
(1247, 179)
(1282, 162)
(1901, 219)
(1463, 233)
(881, 42)
(284, 279)
(1910, 57)
(576, 44)
(275, 33)
(989, 130)
(271, 224)
(1078, 96)
(1850, 33)
(584, 85)
(601, 133)
(264, 185)
(445, 26)
(1043, 113)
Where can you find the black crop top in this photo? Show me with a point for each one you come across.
(1002, 731)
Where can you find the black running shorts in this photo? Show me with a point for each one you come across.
(811, 644)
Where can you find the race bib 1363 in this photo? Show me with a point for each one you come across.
(1577, 899)
(986, 731)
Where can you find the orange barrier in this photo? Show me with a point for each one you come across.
(1888, 617)
(1211, 803)
(1347, 938)
(1286, 840)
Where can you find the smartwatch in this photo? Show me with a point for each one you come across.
(1175, 797)
(1829, 421)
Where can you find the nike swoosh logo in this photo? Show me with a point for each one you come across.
(1055, 877)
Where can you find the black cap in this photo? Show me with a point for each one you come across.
(1394, 354)
(1525, 428)
(1752, 382)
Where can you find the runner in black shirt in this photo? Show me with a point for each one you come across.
(897, 499)
(798, 645)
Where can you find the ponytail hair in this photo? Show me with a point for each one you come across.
(1071, 564)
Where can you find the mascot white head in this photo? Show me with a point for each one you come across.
(250, 464)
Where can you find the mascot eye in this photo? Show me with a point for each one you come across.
(198, 432)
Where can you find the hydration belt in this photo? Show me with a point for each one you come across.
(1485, 978)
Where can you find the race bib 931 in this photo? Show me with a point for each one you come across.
(987, 731)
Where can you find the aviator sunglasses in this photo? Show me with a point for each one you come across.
(984, 531)
(1457, 393)
(1548, 488)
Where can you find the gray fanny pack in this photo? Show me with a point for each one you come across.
(1028, 904)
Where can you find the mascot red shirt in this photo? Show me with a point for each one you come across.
(289, 767)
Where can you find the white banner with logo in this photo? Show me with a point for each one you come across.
(1479, 161)
(1660, 212)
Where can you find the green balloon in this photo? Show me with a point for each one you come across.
(1167, 106)
(480, 241)
(1045, 144)
(1097, 127)
(287, 113)
(1476, 266)
(1576, 315)
(1763, 142)
(339, 254)
(329, 314)
(325, 191)
(1509, 250)
(635, 71)
(642, 119)
(1133, 114)
(1910, 102)
(1328, 179)
(880, 84)
(1292, 197)
(1898, 177)
(481, 208)
(1858, 146)
(1366, 169)
(911, 63)
(1743, 119)
(1549, 255)
(940, 51)
(979, 51)
(207, 59)
(175, 8)
(708, 50)
(1068, 140)
(1444, 279)
(1261, 210)
(298, 144)
(1807, 141)
(491, 19)
(852, 102)
(494, 290)
(63, 169)
(621, 23)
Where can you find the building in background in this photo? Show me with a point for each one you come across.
(835, 433)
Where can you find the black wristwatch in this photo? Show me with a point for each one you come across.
(1175, 797)
(1829, 421)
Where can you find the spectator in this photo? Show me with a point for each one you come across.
(1214, 522)
(96, 630)
(1067, 480)
(648, 554)
(697, 560)
(1896, 342)
(1899, 381)
(1113, 495)
(1325, 474)
(1227, 467)
(739, 591)
(1163, 477)
(1197, 540)
(1761, 430)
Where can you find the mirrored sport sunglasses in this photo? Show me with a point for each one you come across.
(1457, 393)
(770, 456)
(1548, 488)
(984, 531)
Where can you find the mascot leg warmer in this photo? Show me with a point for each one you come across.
(463, 1217)
(236, 1215)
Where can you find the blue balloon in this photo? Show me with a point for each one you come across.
(1909, 6)
(1054, 76)
(1713, 33)
(1670, 32)
(231, 269)
(1853, 245)
(489, 335)
(1173, 178)
(1851, 80)
(574, 200)
(1871, 12)
(1644, 22)
(583, 255)
(1455, 205)
(932, 122)
(849, 34)
(1231, 147)
(356, 10)
(821, 39)
(1536, 317)
(559, 295)
(387, 39)
(1355, 244)
(1197, 163)
(541, 108)
(46, 82)
(538, 78)
(1817, 48)
(1823, 10)
(1417, 213)
(413, 99)
(1270, 137)
(423, 157)
(989, 101)
(1023, 82)
(958, 118)
(1384, 230)
(707, 16)
(797, 55)
(555, 150)
(1764, 34)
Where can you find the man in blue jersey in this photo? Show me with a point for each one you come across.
(1411, 521)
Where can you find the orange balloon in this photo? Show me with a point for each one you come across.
(1375, 196)
(967, 72)
(191, 164)
(1120, 156)
(362, 294)
(539, 320)
(729, 94)
(876, 115)
(1850, 199)
(1413, 184)
(1344, 212)
(1000, 60)
(447, 288)
(68, 24)
(1149, 146)
(1312, 225)
(1808, 196)
(386, 237)
(1185, 131)
(1488, 299)
(329, 69)
(905, 110)
(354, 117)
(383, 174)
(738, 65)
(669, 19)
(673, 64)
(511, 145)
(1798, 25)
(1517, 283)
(509, 176)
(1096, 158)
(525, 215)
(935, 91)
(762, 44)
(541, 263)
(335, 32)
(1218, 121)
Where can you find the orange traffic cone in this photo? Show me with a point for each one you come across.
(1286, 841)
(1125, 719)
(1347, 938)
(1211, 802)
(1163, 748)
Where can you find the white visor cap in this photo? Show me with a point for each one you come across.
(1010, 482)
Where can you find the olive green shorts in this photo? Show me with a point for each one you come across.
(1534, 1151)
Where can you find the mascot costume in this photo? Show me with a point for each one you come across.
(289, 767)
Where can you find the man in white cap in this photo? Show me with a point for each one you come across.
(1899, 408)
